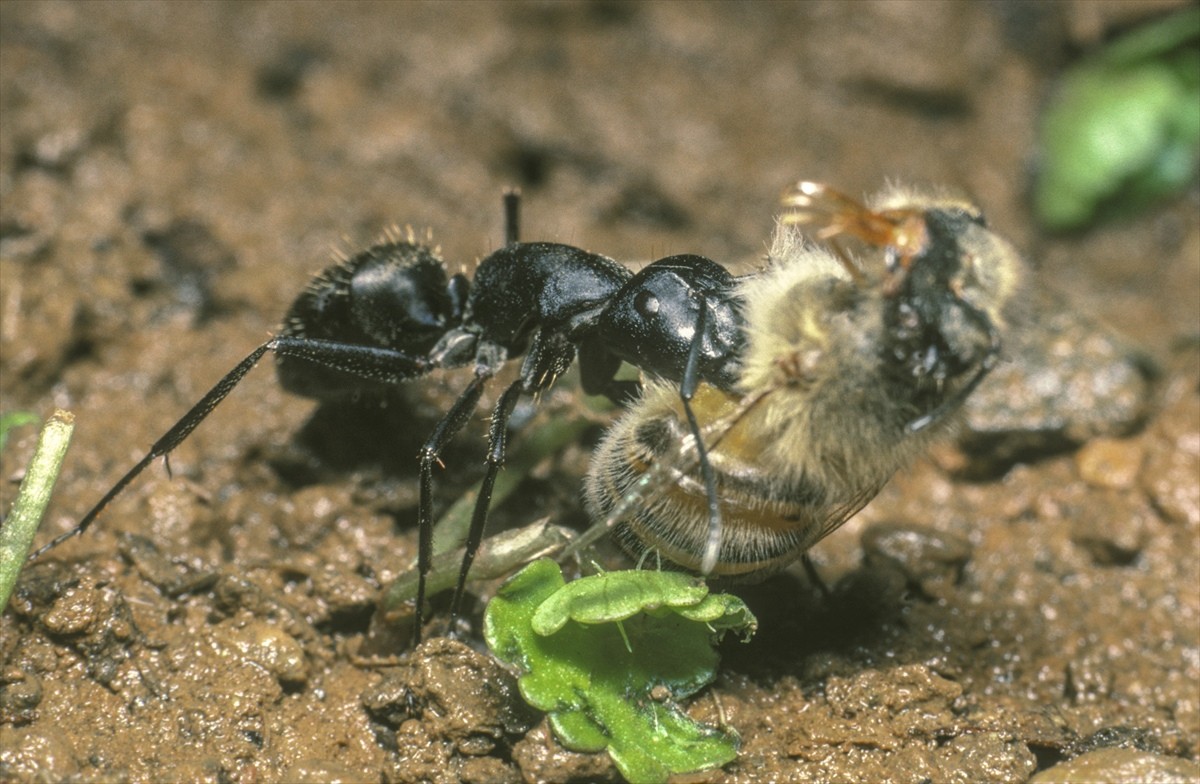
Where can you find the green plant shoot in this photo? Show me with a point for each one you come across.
(19, 528)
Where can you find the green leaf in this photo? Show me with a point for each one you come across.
(1124, 127)
(723, 612)
(609, 656)
(615, 596)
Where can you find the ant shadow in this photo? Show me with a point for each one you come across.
(377, 435)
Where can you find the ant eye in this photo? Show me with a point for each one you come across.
(646, 303)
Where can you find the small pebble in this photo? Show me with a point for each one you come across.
(1121, 766)
(271, 648)
(75, 612)
(1110, 462)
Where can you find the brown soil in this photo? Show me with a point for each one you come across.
(172, 174)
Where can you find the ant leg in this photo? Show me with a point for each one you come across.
(497, 442)
(373, 363)
(687, 389)
(446, 429)
(597, 370)
(171, 439)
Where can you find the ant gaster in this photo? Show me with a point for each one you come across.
(391, 314)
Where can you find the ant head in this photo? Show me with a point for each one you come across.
(651, 321)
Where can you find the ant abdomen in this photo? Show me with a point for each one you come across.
(394, 295)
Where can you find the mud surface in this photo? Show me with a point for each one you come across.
(172, 174)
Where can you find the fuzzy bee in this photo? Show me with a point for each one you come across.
(848, 371)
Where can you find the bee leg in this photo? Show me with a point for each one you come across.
(446, 429)
(687, 390)
(497, 442)
(814, 577)
(990, 357)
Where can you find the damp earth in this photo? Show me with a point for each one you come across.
(1021, 604)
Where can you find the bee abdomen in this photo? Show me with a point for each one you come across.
(658, 507)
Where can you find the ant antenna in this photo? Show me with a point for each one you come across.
(687, 390)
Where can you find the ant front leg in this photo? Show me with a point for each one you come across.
(687, 390)
(597, 370)
(814, 576)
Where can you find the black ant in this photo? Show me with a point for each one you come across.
(391, 314)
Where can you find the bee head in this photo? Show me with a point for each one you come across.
(939, 331)
(945, 282)
(948, 306)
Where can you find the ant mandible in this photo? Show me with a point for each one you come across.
(391, 314)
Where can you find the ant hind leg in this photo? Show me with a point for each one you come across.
(497, 444)
(169, 440)
(369, 362)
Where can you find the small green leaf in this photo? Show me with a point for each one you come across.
(723, 612)
(599, 691)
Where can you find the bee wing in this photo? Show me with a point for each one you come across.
(842, 512)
